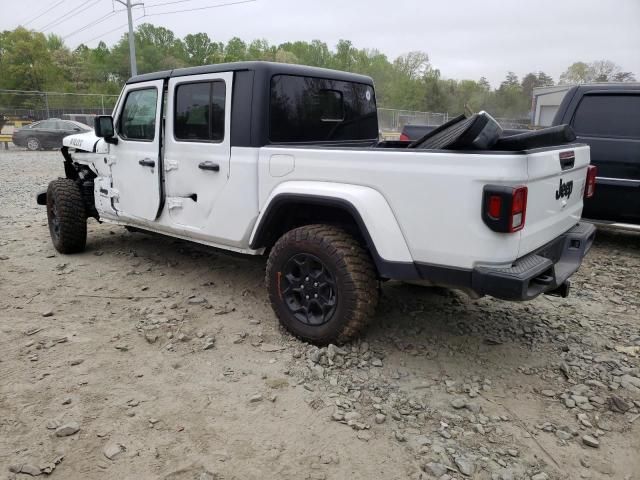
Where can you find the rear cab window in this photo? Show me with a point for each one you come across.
(310, 109)
(605, 115)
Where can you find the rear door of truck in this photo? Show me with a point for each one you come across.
(556, 184)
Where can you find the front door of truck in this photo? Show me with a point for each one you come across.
(197, 146)
(135, 159)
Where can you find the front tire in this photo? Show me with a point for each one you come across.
(66, 215)
(33, 144)
(322, 284)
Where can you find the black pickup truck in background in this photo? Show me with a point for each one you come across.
(605, 116)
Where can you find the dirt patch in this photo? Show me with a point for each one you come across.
(168, 359)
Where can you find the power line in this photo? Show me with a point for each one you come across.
(200, 8)
(160, 13)
(111, 31)
(68, 17)
(91, 24)
(46, 11)
(70, 14)
(167, 3)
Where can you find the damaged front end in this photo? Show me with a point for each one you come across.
(79, 153)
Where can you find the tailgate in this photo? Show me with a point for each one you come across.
(556, 188)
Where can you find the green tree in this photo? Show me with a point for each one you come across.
(544, 80)
(533, 80)
(200, 50)
(343, 58)
(25, 61)
(578, 72)
(32, 61)
(261, 50)
(413, 65)
(235, 51)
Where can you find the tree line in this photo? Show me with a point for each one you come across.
(32, 61)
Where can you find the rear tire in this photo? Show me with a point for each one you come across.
(322, 284)
(33, 144)
(66, 215)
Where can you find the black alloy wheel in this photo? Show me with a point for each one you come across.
(309, 289)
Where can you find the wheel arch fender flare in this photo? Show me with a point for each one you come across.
(366, 206)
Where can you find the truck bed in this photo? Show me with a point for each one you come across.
(436, 195)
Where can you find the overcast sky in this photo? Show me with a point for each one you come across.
(464, 38)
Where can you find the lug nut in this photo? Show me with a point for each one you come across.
(306, 279)
(315, 296)
(307, 297)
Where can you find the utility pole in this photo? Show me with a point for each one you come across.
(132, 42)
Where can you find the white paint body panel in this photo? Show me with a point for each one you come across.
(182, 175)
(418, 206)
(137, 186)
(373, 208)
(435, 197)
(548, 217)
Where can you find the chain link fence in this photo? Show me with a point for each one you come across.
(34, 105)
(391, 120)
(514, 123)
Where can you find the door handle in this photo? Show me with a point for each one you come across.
(214, 167)
(147, 162)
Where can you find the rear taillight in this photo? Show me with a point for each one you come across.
(495, 206)
(518, 209)
(504, 209)
(590, 184)
(404, 138)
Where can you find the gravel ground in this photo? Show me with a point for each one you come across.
(147, 357)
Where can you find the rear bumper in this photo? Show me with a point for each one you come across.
(545, 270)
(542, 271)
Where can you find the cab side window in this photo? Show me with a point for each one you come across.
(310, 109)
(608, 116)
(138, 117)
(199, 112)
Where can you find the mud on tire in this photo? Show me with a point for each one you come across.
(66, 216)
(321, 283)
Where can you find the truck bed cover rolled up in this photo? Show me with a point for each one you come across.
(480, 131)
(558, 135)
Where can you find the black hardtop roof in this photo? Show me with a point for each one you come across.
(602, 87)
(271, 68)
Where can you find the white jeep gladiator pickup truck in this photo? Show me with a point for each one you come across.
(259, 157)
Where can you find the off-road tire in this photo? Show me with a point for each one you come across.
(66, 215)
(352, 272)
(33, 144)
